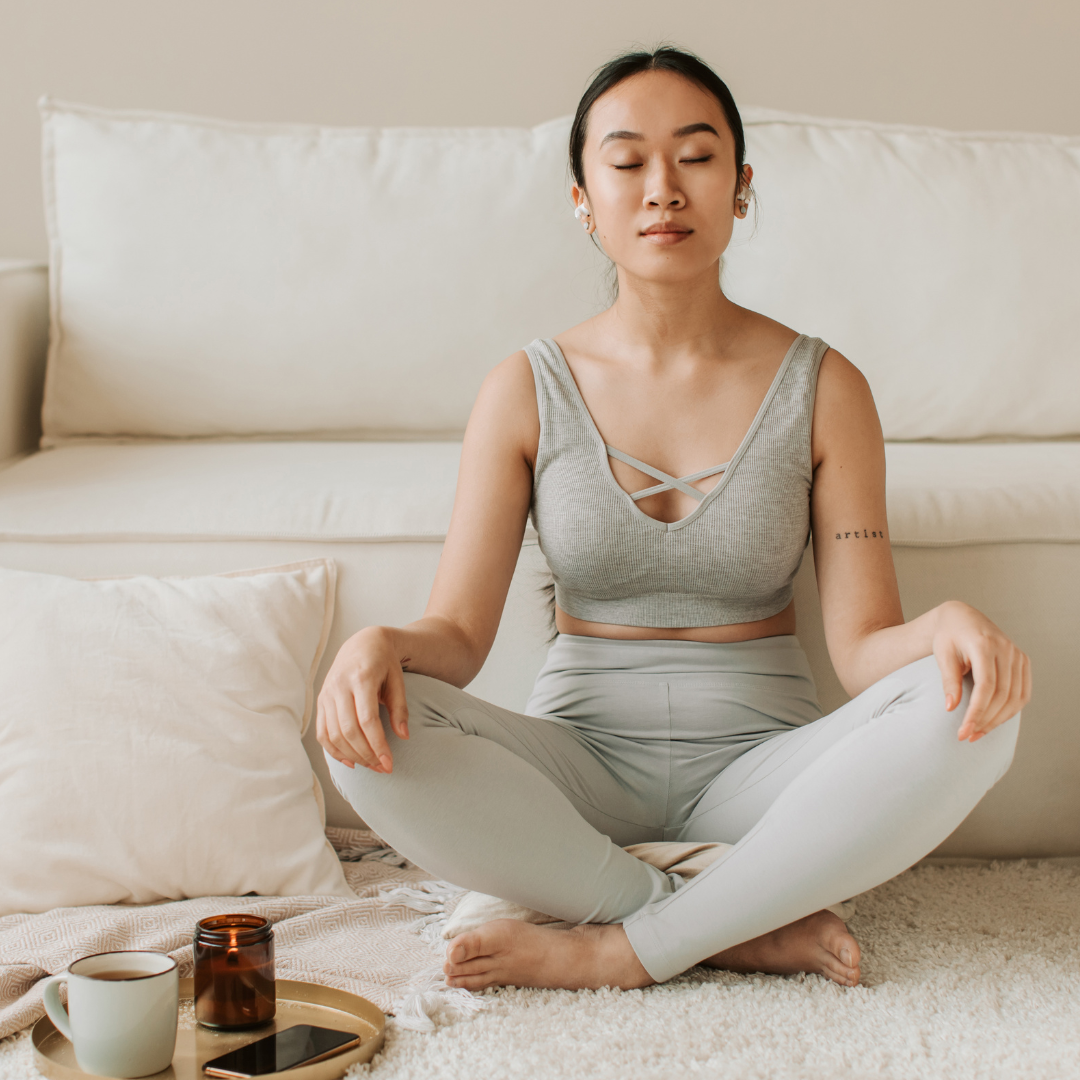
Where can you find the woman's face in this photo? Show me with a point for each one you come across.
(660, 178)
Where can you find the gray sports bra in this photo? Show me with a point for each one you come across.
(730, 561)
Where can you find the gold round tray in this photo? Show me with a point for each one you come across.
(297, 1003)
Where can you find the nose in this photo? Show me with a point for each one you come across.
(662, 191)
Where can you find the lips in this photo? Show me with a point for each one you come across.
(666, 227)
(665, 233)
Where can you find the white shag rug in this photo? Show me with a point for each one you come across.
(970, 972)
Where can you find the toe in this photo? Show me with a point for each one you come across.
(472, 982)
(839, 972)
(476, 966)
(463, 947)
(847, 949)
(837, 940)
(836, 976)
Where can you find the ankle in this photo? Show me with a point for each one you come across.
(616, 960)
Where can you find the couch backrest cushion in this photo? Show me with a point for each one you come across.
(229, 279)
(945, 265)
(220, 279)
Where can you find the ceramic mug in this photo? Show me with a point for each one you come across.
(121, 1013)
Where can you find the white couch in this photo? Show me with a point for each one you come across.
(265, 342)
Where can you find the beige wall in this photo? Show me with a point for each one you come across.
(1005, 64)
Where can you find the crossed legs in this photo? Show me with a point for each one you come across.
(521, 807)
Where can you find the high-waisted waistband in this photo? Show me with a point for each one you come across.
(779, 655)
(687, 691)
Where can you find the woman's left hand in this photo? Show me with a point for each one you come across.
(966, 640)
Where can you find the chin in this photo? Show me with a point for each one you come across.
(669, 268)
(668, 263)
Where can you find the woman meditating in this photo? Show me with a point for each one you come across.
(675, 452)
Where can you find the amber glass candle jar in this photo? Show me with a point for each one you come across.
(234, 972)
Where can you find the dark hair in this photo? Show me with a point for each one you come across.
(663, 58)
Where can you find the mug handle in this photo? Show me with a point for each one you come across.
(55, 1008)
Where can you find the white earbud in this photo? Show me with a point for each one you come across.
(744, 195)
(581, 213)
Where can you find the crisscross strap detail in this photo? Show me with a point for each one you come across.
(669, 483)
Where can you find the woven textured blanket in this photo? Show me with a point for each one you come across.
(384, 945)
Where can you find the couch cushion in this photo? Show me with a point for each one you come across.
(938, 494)
(980, 493)
(212, 278)
(242, 491)
(943, 264)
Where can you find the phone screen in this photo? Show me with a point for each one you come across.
(282, 1050)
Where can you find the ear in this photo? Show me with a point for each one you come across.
(742, 203)
(746, 177)
(578, 195)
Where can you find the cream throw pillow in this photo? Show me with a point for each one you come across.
(150, 737)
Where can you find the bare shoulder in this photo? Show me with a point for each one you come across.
(844, 410)
(510, 379)
(506, 408)
(842, 387)
(762, 339)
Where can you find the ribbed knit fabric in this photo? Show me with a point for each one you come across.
(730, 561)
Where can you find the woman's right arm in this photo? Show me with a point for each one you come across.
(452, 639)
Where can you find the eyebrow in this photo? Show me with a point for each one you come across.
(690, 129)
(693, 129)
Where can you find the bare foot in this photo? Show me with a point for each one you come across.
(820, 944)
(507, 952)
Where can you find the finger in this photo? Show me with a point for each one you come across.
(1014, 700)
(1020, 683)
(320, 722)
(396, 704)
(952, 670)
(350, 738)
(985, 674)
(339, 740)
(994, 713)
(323, 739)
(330, 738)
(365, 706)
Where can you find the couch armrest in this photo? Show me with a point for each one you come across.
(24, 339)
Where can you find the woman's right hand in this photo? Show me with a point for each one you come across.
(365, 672)
(483, 544)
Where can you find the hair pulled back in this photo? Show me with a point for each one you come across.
(664, 58)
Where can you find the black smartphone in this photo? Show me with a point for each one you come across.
(288, 1049)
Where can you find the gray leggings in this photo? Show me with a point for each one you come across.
(630, 741)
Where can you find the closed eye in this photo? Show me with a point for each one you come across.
(682, 161)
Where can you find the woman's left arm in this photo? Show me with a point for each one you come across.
(860, 602)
